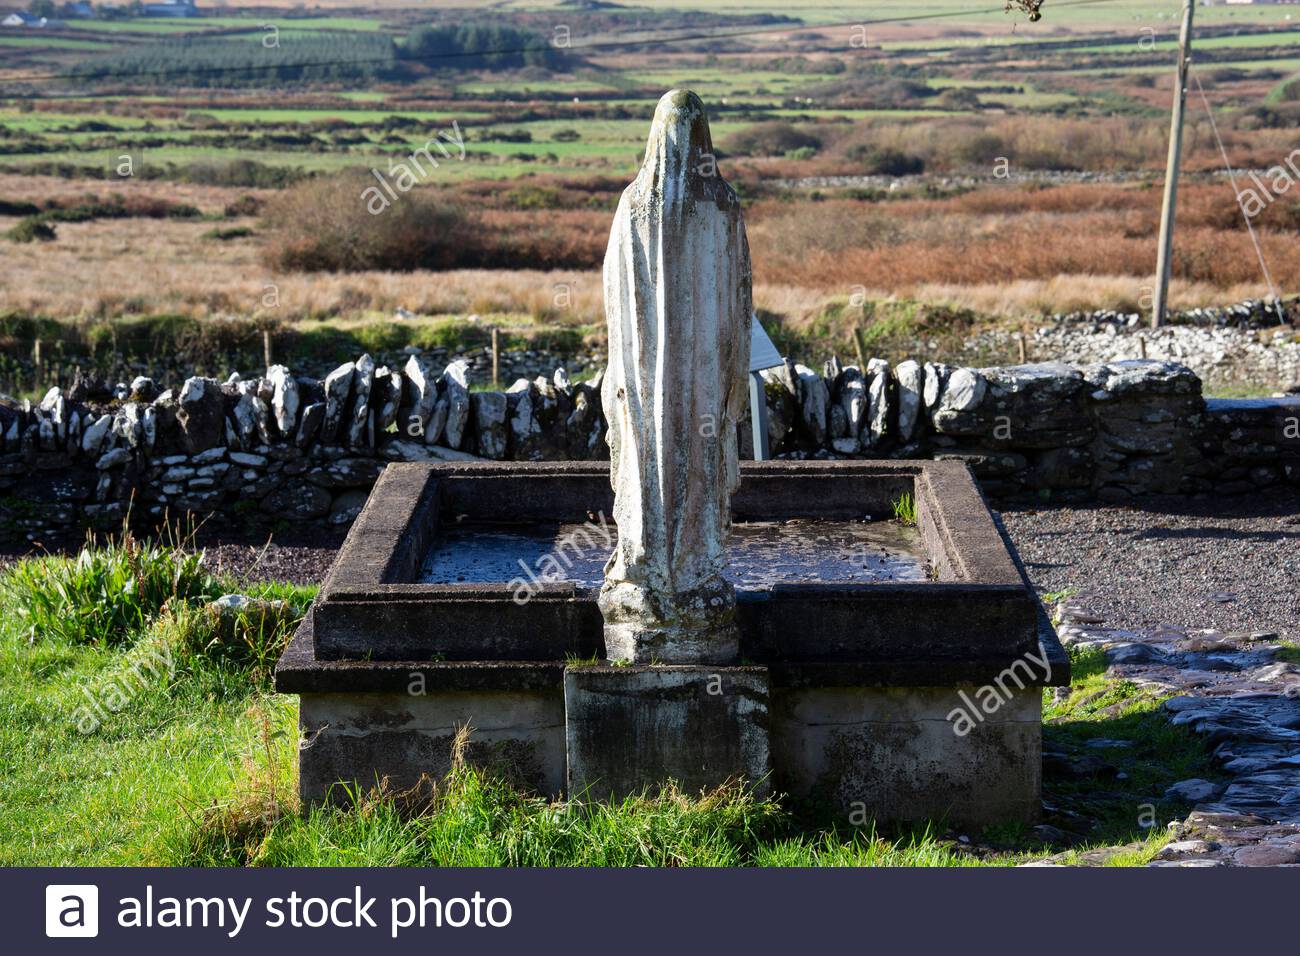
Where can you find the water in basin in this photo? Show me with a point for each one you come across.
(760, 554)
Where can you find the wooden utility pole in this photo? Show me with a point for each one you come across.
(1164, 264)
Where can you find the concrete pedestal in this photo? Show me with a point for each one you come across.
(629, 728)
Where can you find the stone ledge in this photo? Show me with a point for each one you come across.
(301, 672)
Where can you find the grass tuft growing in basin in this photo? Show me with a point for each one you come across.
(905, 509)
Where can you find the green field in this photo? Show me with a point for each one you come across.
(201, 24)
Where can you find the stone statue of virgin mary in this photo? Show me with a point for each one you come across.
(678, 302)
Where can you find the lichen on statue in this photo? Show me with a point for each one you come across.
(678, 302)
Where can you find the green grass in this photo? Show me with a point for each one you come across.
(112, 748)
(51, 43)
(1288, 654)
(473, 820)
(104, 595)
(167, 748)
(905, 510)
(159, 742)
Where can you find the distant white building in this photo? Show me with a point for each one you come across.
(24, 19)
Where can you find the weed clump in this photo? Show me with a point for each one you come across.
(106, 594)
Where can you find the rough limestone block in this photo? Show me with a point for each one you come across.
(629, 728)
(912, 753)
(455, 389)
(200, 414)
(421, 394)
(337, 386)
(490, 410)
(284, 398)
(360, 428)
(911, 386)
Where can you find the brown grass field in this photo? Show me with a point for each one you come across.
(1004, 250)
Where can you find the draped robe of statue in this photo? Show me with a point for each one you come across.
(678, 302)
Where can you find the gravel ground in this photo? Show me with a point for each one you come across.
(301, 557)
(1228, 564)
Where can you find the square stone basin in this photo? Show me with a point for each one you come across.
(465, 594)
(488, 562)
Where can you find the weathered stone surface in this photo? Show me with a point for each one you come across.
(846, 446)
(964, 391)
(338, 386)
(148, 428)
(388, 398)
(298, 500)
(1193, 791)
(420, 396)
(399, 449)
(892, 754)
(839, 423)
(361, 428)
(202, 458)
(585, 426)
(880, 394)
(201, 414)
(854, 400)
(143, 389)
(911, 385)
(347, 506)
(1142, 375)
(346, 473)
(677, 259)
(309, 427)
(93, 438)
(113, 459)
(244, 413)
(628, 728)
(435, 430)
(814, 405)
(284, 398)
(262, 419)
(404, 738)
(455, 388)
(525, 428)
(490, 410)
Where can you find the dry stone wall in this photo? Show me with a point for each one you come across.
(294, 448)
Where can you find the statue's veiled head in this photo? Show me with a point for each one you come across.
(679, 150)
